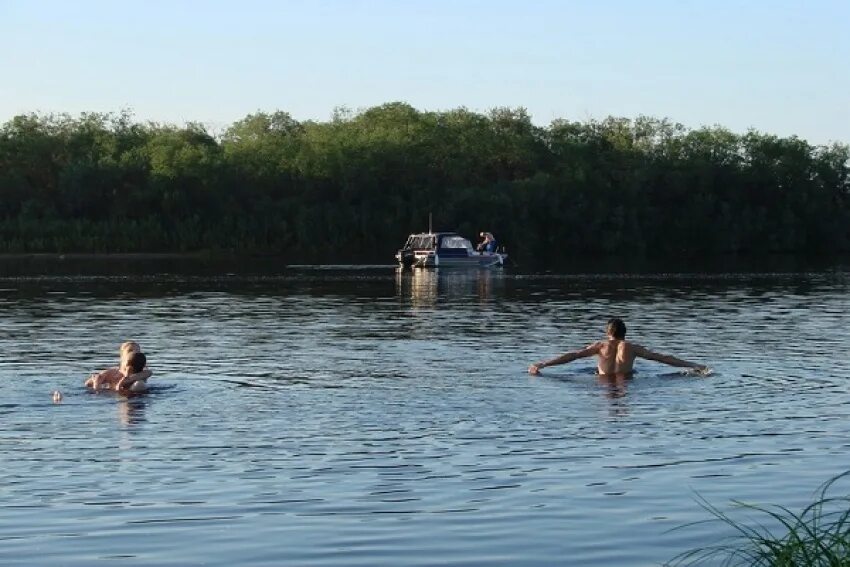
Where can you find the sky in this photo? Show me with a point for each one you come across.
(778, 66)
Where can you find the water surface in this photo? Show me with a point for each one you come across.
(369, 417)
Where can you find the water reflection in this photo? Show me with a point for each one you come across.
(426, 287)
(615, 388)
(131, 411)
(614, 384)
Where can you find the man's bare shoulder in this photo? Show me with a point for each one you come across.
(110, 373)
(641, 351)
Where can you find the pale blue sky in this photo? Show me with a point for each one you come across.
(781, 66)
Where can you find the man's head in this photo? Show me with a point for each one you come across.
(616, 329)
(137, 362)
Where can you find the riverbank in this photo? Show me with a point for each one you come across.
(218, 262)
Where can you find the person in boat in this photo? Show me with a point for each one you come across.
(488, 242)
(108, 379)
(615, 355)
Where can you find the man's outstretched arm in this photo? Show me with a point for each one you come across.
(564, 358)
(665, 358)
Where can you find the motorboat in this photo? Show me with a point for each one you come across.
(445, 249)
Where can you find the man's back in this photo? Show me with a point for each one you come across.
(615, 356)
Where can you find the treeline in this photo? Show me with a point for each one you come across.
(353, 187)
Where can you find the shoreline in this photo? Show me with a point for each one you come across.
(51, 262)
(106, 255)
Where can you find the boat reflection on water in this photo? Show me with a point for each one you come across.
(428, 287)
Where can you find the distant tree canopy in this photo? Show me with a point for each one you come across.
(355, 186)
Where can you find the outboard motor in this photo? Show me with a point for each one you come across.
(405, 257)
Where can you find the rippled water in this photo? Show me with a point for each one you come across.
(365, 417)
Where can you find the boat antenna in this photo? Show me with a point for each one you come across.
(430, 229)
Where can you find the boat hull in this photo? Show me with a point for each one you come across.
(428, 260)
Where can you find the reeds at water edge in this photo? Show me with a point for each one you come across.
(817, 536)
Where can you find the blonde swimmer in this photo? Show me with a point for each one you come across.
(108, 379)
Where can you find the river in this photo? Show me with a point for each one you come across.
(355, 416)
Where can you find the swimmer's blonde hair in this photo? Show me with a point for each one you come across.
(126, 351)
(128, 346)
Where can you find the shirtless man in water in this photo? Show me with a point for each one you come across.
(615, 355)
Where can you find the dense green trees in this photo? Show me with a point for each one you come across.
(352, 188)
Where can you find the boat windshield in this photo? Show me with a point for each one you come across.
(456, 242)
(420, 242)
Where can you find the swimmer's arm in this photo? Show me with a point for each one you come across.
(96, 379)
(128, 381)
(665, 358)
(589, 350)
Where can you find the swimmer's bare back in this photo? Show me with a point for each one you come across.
(615, 356)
